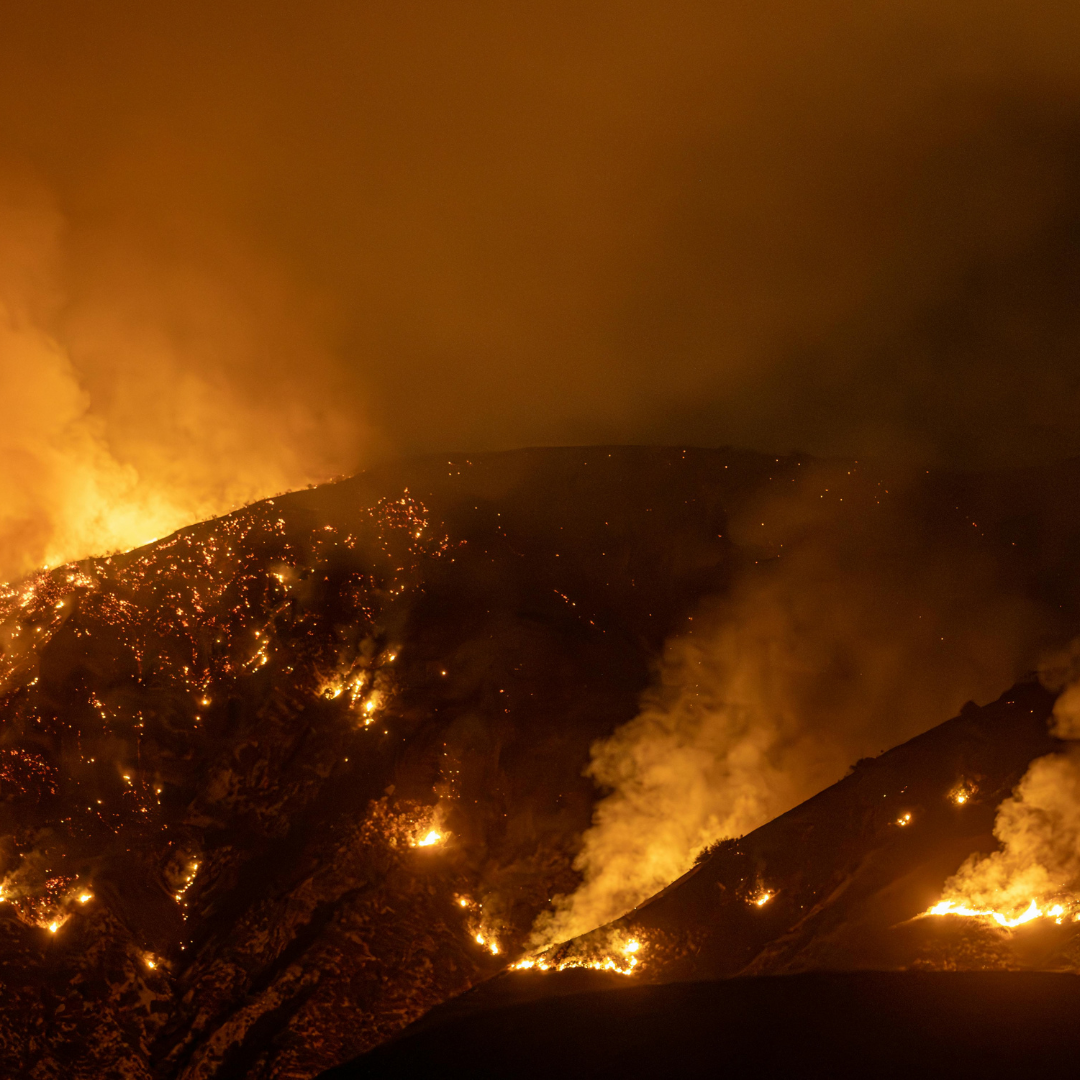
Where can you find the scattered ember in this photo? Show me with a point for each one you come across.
(193, 626)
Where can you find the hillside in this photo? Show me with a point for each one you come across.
(275, 786)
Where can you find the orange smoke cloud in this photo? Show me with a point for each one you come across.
(1036, 871)
(140, 396)
(851, 630)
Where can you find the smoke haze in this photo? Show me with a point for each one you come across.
(1038, 826)
(146, 396)
(846, 228)
(855, 629)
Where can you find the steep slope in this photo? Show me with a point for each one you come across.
(222, 755)
(273, 787)
(839, 884)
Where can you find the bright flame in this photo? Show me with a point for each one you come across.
(951, 907)
(433, 837)
(904, 819)
(963, 792)
(622, 960)
(1034, 874)
(763, 899)
(85, 897)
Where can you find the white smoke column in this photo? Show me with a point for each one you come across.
(854, 636)
(140, 396)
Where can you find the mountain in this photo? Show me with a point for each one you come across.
(274, 787)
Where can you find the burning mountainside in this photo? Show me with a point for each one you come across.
(851, 878)
(844, 882)
(269, 785)
(275, 786)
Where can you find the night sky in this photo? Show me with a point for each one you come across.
(844, 228)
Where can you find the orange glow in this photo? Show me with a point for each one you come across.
(430, 839)
(962, 793)
(621, 958)
(1033, 911)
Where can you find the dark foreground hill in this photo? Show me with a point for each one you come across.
(993, 1025)
(275, 786)
(846, 876)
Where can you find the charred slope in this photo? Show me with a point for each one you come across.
(822, 1024)
(220, 755)
(835, 885)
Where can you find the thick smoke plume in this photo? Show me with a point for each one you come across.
(1039, 860)
(139, 396)
(1038, 826)
(846, 228)
(851, 630)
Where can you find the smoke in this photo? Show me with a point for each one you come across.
(1038, 826)
(847, 228)
(140, 394)
(852, 629)
(1039, 859)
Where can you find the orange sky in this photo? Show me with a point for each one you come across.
(840, 227)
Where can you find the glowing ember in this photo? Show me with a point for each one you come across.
(962, 793)
(186, 882)
(621, 959)
(762, 899)
(904, 819)
(488, 943)
(1035, 872)
(193, 617)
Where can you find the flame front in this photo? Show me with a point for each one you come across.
(621, 955)
(1036, 872)
(1033, 911)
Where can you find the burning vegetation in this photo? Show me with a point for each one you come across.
(295, 776)
(1035, 873)
(603, 950)
(187, 625)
